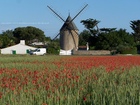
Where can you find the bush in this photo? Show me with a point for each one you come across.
(138, 49)
(52, 50)
(92, 47)
(127, 50)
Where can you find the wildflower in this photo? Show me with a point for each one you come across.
(12, 88)
(84, 99)
(1, 95)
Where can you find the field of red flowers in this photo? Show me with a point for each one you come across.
(69, 80)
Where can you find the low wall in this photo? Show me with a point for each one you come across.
(92, 52)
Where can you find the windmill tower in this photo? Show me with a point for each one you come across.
(69, 37)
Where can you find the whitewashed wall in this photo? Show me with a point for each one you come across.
(64, 52)
(19, 49)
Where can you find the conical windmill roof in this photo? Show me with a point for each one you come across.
(67, 25)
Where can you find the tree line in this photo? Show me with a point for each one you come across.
(110, 38)
(29, 33)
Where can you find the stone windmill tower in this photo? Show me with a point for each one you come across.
(69, 37)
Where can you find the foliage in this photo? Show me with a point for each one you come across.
(107, 41)
(69, 80)
(135, 25)
(107, 29)
(47, 39)
(108, 38)
(113, 39)
(91, 25)
(138, 48)
(84, 37)
(29, 33)
(7, 39)
(53, 47)
(127, 50)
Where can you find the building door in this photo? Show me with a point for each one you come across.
(27, 51)
(13, 51)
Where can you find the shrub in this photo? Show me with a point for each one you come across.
(127, 50)
(52, 50)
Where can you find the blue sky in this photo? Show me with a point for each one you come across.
(110, 13)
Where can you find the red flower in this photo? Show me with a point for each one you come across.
(84, 99)
(0, 95)
(12, 88)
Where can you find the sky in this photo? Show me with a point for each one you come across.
(110, 13)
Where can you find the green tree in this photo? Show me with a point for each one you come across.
(1, 41)
(84, 37)
(107, 41)
(91, 25)
(127, 39)
(7, 39)
(9, 34)
(53, 47)
(135, 25)
(47, 39)
(107, 30)
(112, 40)
(29, 34)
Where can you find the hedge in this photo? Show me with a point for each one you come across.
(130, 50)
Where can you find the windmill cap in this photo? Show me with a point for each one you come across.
(69, 24)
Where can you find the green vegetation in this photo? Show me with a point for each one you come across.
(110, 38)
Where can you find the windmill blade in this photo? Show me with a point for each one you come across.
(56, 36)
(79, 12)
(56, 13)
(75, 17)
(72, 37)
(75, 31)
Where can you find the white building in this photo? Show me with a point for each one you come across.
(20, 48)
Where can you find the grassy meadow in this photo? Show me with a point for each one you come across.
(69, 80)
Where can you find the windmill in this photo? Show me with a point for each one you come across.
(68, 32)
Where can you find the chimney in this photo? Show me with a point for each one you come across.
(22, 42)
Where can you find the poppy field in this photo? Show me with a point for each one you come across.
(69, 80)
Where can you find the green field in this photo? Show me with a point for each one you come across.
(69, 80)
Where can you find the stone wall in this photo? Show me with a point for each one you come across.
(92, 52)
